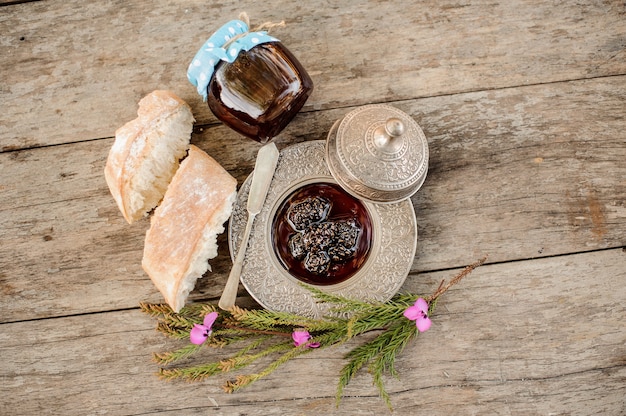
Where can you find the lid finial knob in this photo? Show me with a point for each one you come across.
(386, 137)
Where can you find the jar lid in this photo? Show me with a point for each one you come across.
(378, 153)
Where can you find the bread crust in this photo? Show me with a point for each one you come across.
(184, 227)
(134, 145)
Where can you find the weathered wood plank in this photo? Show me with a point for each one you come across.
(4, 3)
(534, 337)
(74, 71)
(517, 173)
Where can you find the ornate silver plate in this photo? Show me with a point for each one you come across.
(394, 240)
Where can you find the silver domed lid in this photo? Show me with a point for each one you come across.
(378, 153)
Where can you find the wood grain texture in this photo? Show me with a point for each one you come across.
(74, 71)
(523, 105)
(531, 337)
(516, 174)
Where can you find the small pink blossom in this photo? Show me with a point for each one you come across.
(419, 313)
(301, 337)
(200, 333)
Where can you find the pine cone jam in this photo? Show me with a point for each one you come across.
(321, 234)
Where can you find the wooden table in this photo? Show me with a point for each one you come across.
(523, 104)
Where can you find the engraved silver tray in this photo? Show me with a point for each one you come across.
(394, 241)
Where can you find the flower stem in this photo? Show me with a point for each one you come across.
(456, 279)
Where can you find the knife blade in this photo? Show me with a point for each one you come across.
(264, 168)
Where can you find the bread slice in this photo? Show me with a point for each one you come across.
(184, 227)
(147, 152)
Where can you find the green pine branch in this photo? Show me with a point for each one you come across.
(263, 319)
(172, 356)
(264, 333)
(195, 373)
(243, 381)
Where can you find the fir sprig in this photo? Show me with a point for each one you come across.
(264, 333)
(166, 358)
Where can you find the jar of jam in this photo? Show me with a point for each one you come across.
(251, 81)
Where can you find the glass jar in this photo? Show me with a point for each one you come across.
(260, 92)
(251, 81)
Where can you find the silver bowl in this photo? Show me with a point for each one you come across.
(392, 246)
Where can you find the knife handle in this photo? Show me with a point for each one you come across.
(229, 295)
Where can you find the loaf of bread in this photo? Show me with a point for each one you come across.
(147, 152)
(184, 227)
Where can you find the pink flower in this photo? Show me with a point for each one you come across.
(200, 333)
(301, 337)
(419, 313)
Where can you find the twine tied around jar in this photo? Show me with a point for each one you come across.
(263, 27)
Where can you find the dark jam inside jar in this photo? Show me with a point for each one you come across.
(321, 234)
(260, 92)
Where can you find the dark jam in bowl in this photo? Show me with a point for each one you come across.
(321, 234)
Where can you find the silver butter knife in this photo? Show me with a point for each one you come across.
(264, 168)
